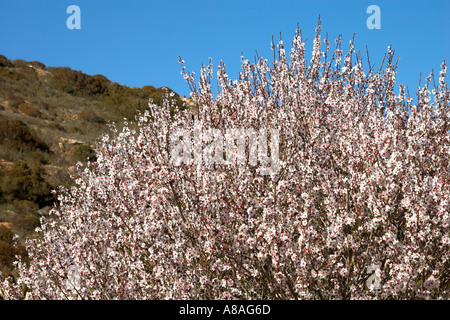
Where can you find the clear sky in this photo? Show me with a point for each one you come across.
(137, 43)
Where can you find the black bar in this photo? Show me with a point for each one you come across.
(207, 309)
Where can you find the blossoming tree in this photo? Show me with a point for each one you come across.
(359, 208)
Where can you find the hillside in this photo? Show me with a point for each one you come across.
(50, 118)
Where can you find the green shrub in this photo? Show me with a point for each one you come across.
(28, 223)
(8, 251)
(18, 70)
(18, 63)
(6, 234)
(23, 183)
(7, 256)
(83, 153)
(116, 94)
(4, 62)
(89, 115)
(76, 82)
(24, 207)
(102, 80)
(15, 134)
(37, 158)
(75, 129)
(23, 215)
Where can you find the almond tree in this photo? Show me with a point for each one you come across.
(359, 208)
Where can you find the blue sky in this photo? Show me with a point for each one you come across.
(137, 43)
